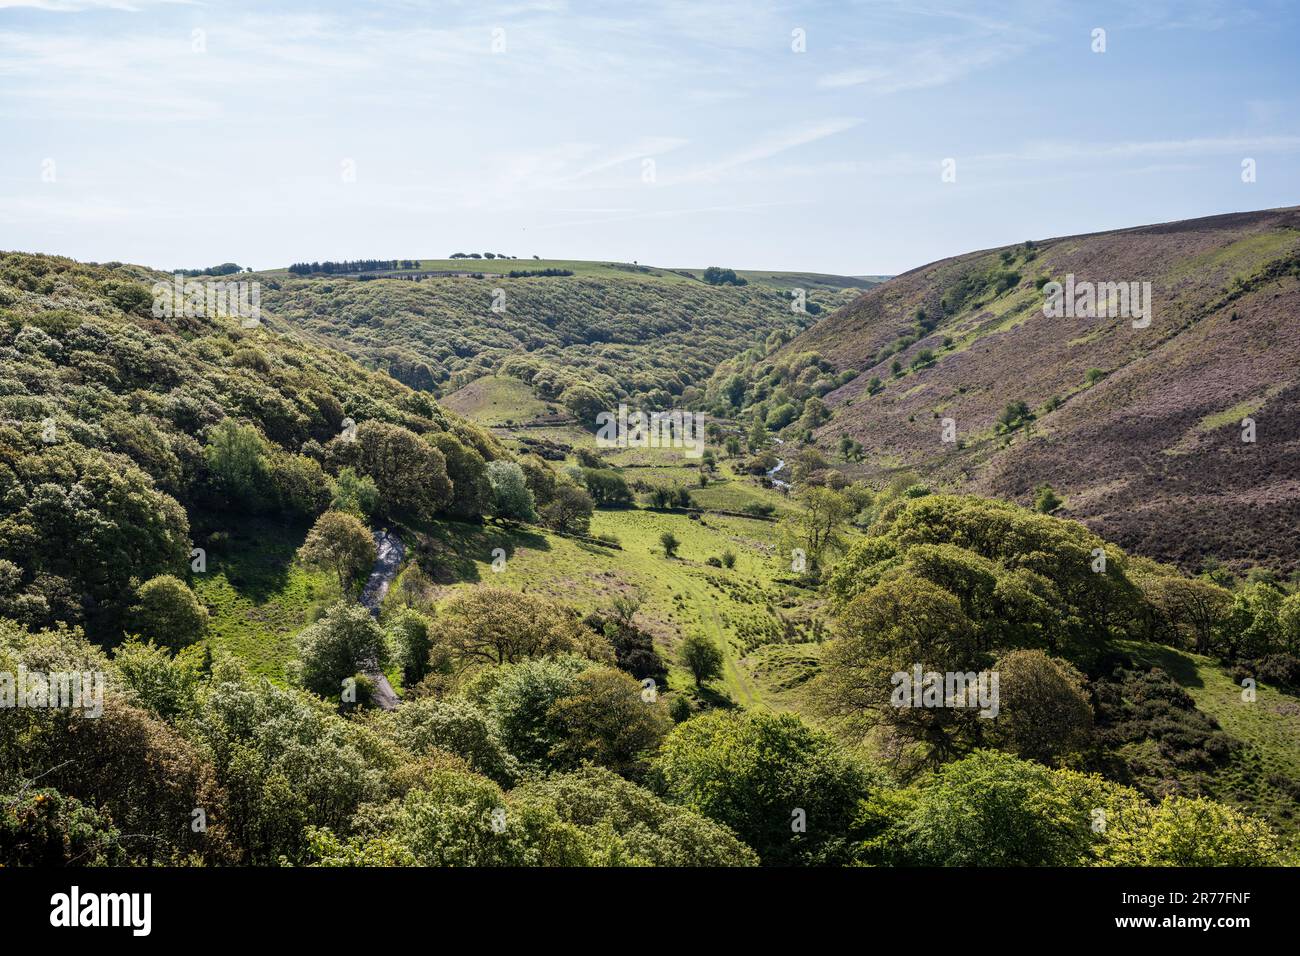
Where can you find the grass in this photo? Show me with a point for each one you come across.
(738, 608)
(257, 597)
(496, 400)
(1229, 416)
(1269, 726)
(631, 270)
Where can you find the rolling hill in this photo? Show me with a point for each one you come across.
(625, 329)
(1139, 429)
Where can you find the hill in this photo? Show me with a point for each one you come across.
(126, 438)
(624, 329)
(1139, 429)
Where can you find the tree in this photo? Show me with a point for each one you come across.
(1184, 831)
(585, 402)
(44, 828)
(606, 721)
(540, 478)
(1046, 500)
(784, 788)
(340, 543)
(633, 826)
(991, 809)
(607, 487)
(236, 458)
(355, 494)
(1044, 712)
(570, 510)
(1288, 618)
(817, 526)
(301, 486)
(670, 543)
(458, 727)
(1191, 610)
(757, 434)
(520, 698)
(499, 626)
(342, 643)
(412, 643)
(702, 658)
(411, 474)
(511, 499)
(166, 611)
(471, 491)
(885, 631)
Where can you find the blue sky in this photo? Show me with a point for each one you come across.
(679, 133)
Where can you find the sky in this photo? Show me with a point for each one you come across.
(857, 138)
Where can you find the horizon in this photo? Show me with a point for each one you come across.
(805, 137)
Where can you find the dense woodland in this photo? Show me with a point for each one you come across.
(533, 731)
(655, 342)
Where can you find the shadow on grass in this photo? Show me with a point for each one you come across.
(254, 553)
(447, 551)
(712, 698)
(1173, 662)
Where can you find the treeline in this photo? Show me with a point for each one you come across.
(225, 269)
(525, 273)
(350, 266)
(482, 255)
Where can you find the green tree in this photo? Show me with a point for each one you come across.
(236, 458)
(342, 643)
(471, 495)
(511, 499)
(166, 611)
(411, 474)
(886, 631)
(630, 825)
(410, 633)
(1044, 712)
(340, 543)
(355, 494)
(1046, 500)
(458, 727)
(784, 788)
(816, 528)
(499, 626)
(991, 809)
(670, 543)
(606, 721)
(44, 828)
(569, 510)
(702, 658)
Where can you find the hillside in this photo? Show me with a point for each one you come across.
(624, 329)
(138, 437)
(1138, 429)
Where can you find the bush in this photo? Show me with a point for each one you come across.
(168, 612)
(346, 640)
(785, 789)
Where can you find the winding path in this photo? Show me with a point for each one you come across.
(389, 551)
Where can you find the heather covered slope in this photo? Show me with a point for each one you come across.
(1151, 453)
